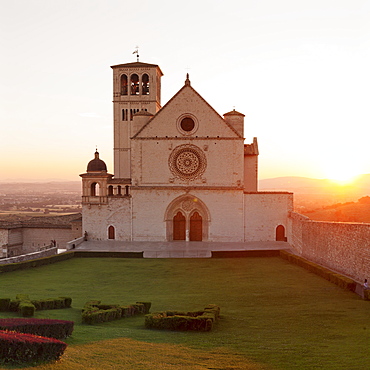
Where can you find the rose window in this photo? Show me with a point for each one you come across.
(187, 162)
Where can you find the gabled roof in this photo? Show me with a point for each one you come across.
(234, 113)
(136, 64)
(186, 86)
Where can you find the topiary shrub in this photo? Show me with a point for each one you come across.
(4, 304)
(19, 348)
(27, 308)
(58, 329)
(184, 321)
(94, 312)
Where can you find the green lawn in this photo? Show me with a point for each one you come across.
(272, 312)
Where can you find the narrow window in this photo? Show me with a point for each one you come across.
(123, 115)
(127, 190)
(145, 84)
(124, 85)
(110, 190)
(111, 232)
(119, 190)
(134, 84)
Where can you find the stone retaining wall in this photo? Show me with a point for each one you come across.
(341, 246)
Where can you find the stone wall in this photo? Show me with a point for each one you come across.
(36, 238)
(264, 212)
(341, 246)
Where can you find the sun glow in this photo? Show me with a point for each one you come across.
(341, 173)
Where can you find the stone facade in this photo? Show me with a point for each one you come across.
(265, 214)
(182, 172)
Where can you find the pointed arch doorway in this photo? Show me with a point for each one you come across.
(187, 218)
(196, 229)
(179, 226)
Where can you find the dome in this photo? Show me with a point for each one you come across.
(96, 164)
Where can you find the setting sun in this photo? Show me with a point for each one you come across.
(341, 173)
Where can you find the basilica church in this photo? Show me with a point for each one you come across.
(181, 171)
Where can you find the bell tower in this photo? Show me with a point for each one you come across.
(136, 87)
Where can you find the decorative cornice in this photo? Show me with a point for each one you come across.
(267, 192)
(187, 187)
(186, 138)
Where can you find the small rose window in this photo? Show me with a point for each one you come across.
(187, 124)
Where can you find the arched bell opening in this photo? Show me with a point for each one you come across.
(145, 84)
(134, 84)
(124, 84)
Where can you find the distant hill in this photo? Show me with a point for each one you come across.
(305, 185)
(324, 200)
(342, 212)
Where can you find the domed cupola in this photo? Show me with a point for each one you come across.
(96, 165)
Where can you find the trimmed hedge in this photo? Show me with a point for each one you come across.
(94, 312)
(57, 329)
(27, 307)
(184, 321)
(19, 348)
(338, 279)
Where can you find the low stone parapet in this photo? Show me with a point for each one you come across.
(75, 242)
(30, 256)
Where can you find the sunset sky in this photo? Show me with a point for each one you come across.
(298, 70)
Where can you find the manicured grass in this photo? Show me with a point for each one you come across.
(272, 312)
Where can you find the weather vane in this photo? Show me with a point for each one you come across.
(137, 53)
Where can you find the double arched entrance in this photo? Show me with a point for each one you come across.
(187, 218)
(195, 227)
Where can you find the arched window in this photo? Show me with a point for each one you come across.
(119, 190)
(145, 84)
(134, 84)
(110, 190)
(111, 232)
(124, 84)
